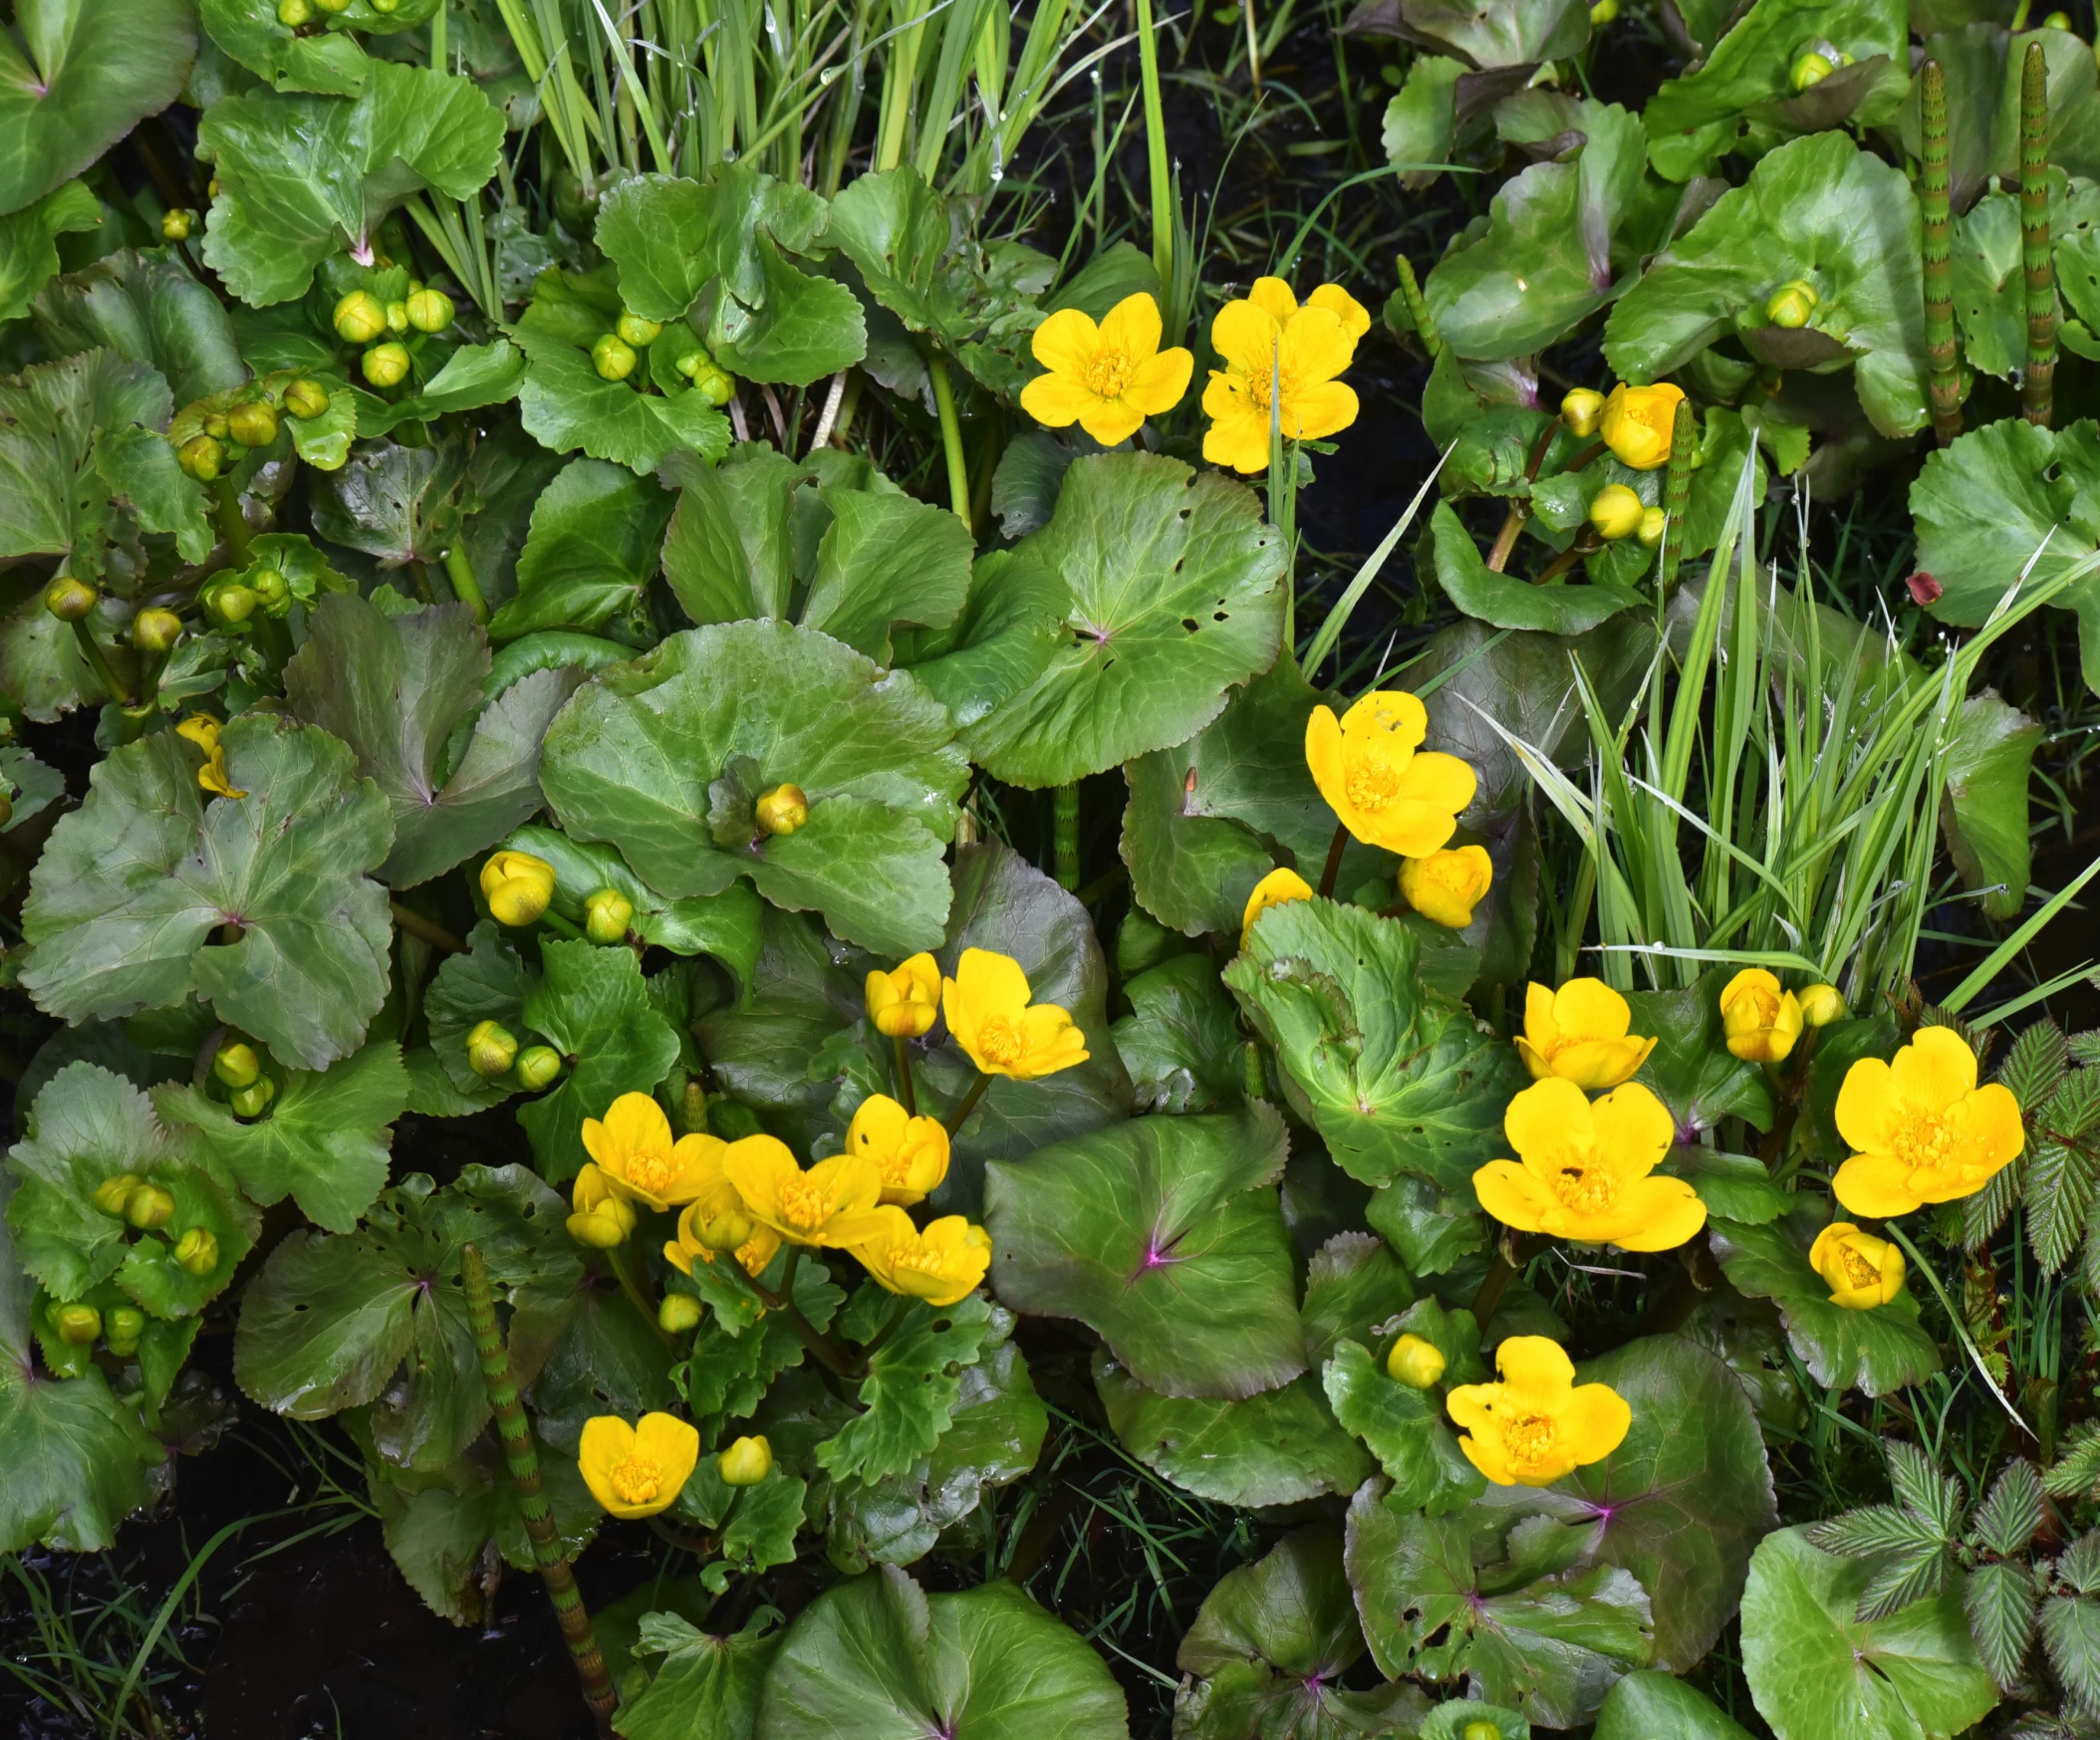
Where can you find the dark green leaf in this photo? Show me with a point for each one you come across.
(565, 405)
(1180, 1042)
(1692, 1070)
(1653, 1706)
(29, 247)
(909, 1392)
(1504, 601)
(590, 552)
(1405, 1429)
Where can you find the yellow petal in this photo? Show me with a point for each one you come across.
(1441, 782)
(634, 1124)
(989, 981)
(1535, 1061)
(1066, 341)
(1354, 315)
(1541, 1017)
(1324, 408)
(1660, 1214)
(1160, 382)
(1934, 1071)
(1273, 297)
(1515, 1197)
(1633, 1131)
(1547, 1119)
(1132, 327)
(1867, 1107)
(1314, 346)
(1057, 401)
(1987, 1127)
(1323, 759)
(878, 1129)
(1395, 719)
(1239, 440)
(1536, 1369)
(1111, 420)
(1876, 1186)
(670, 1443)
(1248, 337)
(1594, 1423)
(758, 1165)
(1591, 1009)
(1598, 1063)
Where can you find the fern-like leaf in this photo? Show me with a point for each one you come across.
(2074, 1109)
(1875, 1529)
(2036, 1064)
(2001, 1601)
(2071, 1631)
(2079, 1568)
(2085, 1047)
(2006, 1521)
(2077, 1465)
(1985, 1212)
(2059, 1182)
(1921, 1487)
(1903, 1577)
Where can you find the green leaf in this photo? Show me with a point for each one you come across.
(1279, 1448)
(565, 405)
(876, 1658)
(724, 925)
(1653, 1706)
(1751, 69)
(29, 248)
(491, 982)
(392, 501)
(93, 68)
(729, 552)
(706, 1685)
(1504, 601)
(251, 34)
(909, 1392)
(473, 376)
(1733, 1186)
(1181, 1041)
(1985, 821)
(1499, 33)
(1395, 1077)
(2070, 1630)
(134, 882)
(1983, 62)
(1418, 128)
(593, 1008)
(325, 1140)
(1818, 208)
(1166, 1237)
(1405, 1429)
(1550, 1646)
(1173, 596)
(1999, 1603)
(590, 552)
(403, 692)
(1816, 1672)
(664, 756)
(886, 561)
(1692, 1071)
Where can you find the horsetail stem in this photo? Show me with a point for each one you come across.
(2038, 385)
(1936, 207)
(1677, 497)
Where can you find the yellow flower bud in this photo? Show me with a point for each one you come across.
(634, 331)
(430, 311)
(1616, 512)
(1862, 1271)
(903, 1004)
(236, 1065)
(230, 603)
(1601, 14)
(1416, 1363)
(537, 1065)
(1581, 410)
(517, 886)
(70, 600)
(124, 1325)
(783, 810)
(1791, 304)
(155, 630)
(386, 364)
(76, 1325)
(716, 385)
(1445, 887)
(1654, 521)
(398, 317)
(202, 457)
(175, 225)
(607, 915)
(253, 1100)
(1278, 889)
(148, 1206)
(110, 1193)
(1810, 68)
(253, 424)
(305, 400)
(1638, 424)
(1761, 1020)
(1485, 1730)
(678, 1315)
(198, 1250)
(1821, 1005)
(294, 13)
(613, 356)
(747, 1462)
(360, 317)
(490, 1049)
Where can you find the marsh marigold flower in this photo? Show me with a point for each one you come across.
(911, 1153)
(940, 1265)
(517, 886)
(1638, 424)
(1922, 1129)
(747, 1462)
(1278, 889)
(1416, 1362)
(1381, 786)
(1267, 341)
(1005, 1034)
(633, 1147)
(716, 1222)
(905, 1002)
(827, 1205)
(1537, 1424)
(1584, 1171)
(1761, 1020)
(599, 1215)
(1579, 1033)
(637, 1470)
(1862, 1270)
(1821, 1005)
(203, 730)
(1445, 887)
(1106, 378)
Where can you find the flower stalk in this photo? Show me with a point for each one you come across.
(1935, 206)
(1066, 837)
(951, 436)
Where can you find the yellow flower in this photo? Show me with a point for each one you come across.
(1414, 1361)
(903, 1004)
(1536, 1426)
(747, 1462)
(1445, 887)
(989, 1013)
(1106, 378)
(1579, 1034)
(714, 1222)
(829, 1204)
(1375, 776)
(637, 1471)
(1278, 889)
(1585, 1171)
(1638, 424)
(911, 1153)
(1582, 409)
(1616, 512)
(940, 1265)
(1863, 1271)
(1922, 1129)
(203, 730)
(1762, 1021)
(602, 1217)
(1268, 341)
(633, 1147)
(1821, 1005)
(517, 886)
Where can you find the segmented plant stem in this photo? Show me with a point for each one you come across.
(1066, 842)
(523, 1461)
(1936, 206)
(1676, 498)
(2038, 385)
(1419, 310)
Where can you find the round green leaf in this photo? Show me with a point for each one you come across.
(1653, 1706)
(1403, 1427)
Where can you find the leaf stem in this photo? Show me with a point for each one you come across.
(90, 651)
(951, 436)
(961, 1116)
(233, 524)
(828, 1351)
(1333, 866)
(906, 1093)
(460, 572)
(897, 1313)
(1678, 490)
(631, 1285)
(416, 924)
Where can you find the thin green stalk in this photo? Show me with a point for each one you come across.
(1156, 145)
(1066, 836)
(90, 651)
(951, 436)
(416, 924)
(523, 1461)
(438, 39)
(1333, 866)
(1936, 208)
(906, 1093)
(2038, 383)
(233, 525)
(1678, 495)
(460, 572)
(961, 1116)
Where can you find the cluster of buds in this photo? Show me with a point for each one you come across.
(239, 1067)
(148, 1207)
(1617, 512)
(710, 379)
(80, 1325)
(360, 317)
(253, 422)
(230, 601)
(492, 1051)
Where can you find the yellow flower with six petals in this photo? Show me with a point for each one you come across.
(1921, 1129)
(1270, 343)
(827, 1205)
(1445, 887)
(1640, 422)
(911, 1153)
(600, 1217)
(633, 1147)
(1585, 1171)
(1106, 378)
(939, 1265)
(905, 1002)
(1381, 786)
(1537, 1424)
(1579, 1033)
(1862, 1270)
(1761, 1018)
(203, 730)
(1278, 889)
(1005, 1034)
(637, 1470)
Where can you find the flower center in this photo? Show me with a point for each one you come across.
(1529, 1440)
(1373, 782)
(1859, 1270)
(804, 1205)
(1583, 1188)
(650, 1171)
(917, 1257)
(1000, 1040)
(1923, 1140)
(1107, 373)
(637, 1479)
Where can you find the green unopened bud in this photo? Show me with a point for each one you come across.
(155, 630)
(747, 1462)
(1791, 304)
(70, 600)
(386, 364)
(253, 424)
(1480, 1730)
(148, 1206)
(110, 1193)
(236, 1065)
(273, 588)
(782, 810)
(1604, 12)
(2057, 21)
(606, 915)
(305, 400)
(1582, 409)
(175, 225)
(430, 311)
(294, 13)
(202, 457)
(538, 1065)
(1414, 1361)
(124, 1325)
(398, 317)
(333, 5)
(1811, 69)
(360, 317)
(613, 356)
(231, 604)
(76, 1325)
(1653, 523)
(491, 1049)
(383, 6)
(715, 385)
(690, 362)
(216, 425)
(634, 330)
(253, 1100)
(678, 1315)
(198, 1250)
